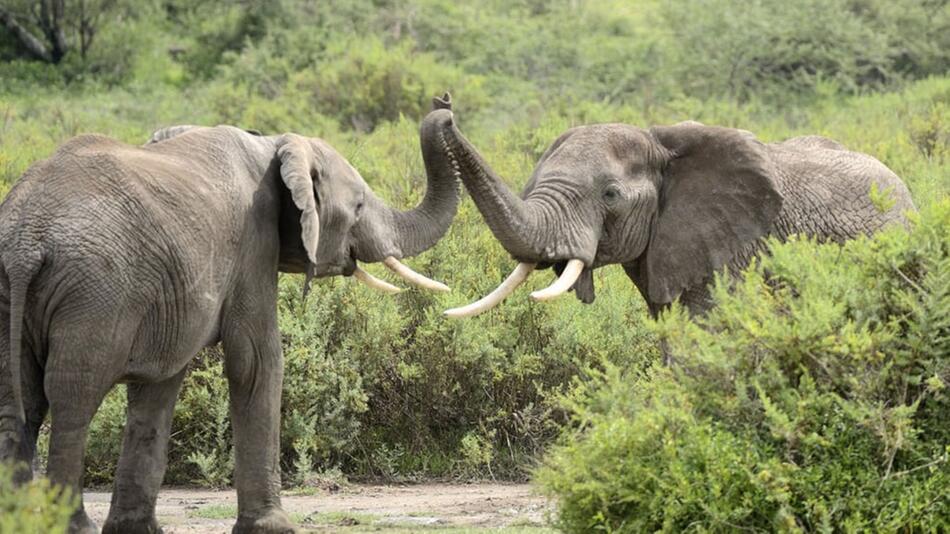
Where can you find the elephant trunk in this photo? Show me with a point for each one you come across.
(402, 234)
(421, 227)
(514, 222)
(532, 231)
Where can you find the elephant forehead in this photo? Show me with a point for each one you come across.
(597, 143)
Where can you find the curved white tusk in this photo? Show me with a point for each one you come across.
(563, 283)
(374, 282)
(515, 279)
(413, 277)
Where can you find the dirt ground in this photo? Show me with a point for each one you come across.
(465, 507)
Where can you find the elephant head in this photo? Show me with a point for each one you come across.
(672, 204)
(330, 218)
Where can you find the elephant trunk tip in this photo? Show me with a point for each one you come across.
(443, 102)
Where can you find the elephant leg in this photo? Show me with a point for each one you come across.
(84, 361)
(74, 398)
(142, 463)
(35, 407)
(18, 440)
(254, 368)
(698, 299)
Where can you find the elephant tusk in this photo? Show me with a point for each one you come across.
(374, 282)
(515, 279)
(563, 283)
(413, 277)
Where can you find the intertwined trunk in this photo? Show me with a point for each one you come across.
(518, 225)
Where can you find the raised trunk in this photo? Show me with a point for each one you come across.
(390, 232)
(420, 228)
(515, 223)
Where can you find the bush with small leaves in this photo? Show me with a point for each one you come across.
(814, 397)
(33, 508)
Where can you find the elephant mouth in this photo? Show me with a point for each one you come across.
(326, 270)
(583, 287)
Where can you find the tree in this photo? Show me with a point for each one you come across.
(41, 26)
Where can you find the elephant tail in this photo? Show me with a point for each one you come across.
(19, 275)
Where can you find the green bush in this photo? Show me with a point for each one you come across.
(215, 29)
(33, 508)
(782, 49)
(21, 75)
(814, 397)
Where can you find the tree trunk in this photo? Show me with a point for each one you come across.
(30, 42)
(51, 20)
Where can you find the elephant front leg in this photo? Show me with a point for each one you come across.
(254, 368)
(144, 457)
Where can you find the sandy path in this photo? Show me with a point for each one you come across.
(469, 505)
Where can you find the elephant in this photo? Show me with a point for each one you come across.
(120, 262)
(671, 204)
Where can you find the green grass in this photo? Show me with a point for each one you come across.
(335, 519)
(215, 511)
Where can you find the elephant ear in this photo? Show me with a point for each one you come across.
(298, 171)
(718, 194)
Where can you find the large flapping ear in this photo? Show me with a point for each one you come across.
(298, 172)
(718, 194)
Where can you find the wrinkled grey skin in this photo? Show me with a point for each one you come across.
(119, 263)
(674, 204)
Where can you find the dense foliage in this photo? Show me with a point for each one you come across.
(384, 386)
(34, 508)
(814, 397)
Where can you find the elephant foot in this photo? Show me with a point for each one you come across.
(80, 523)
(274, 521)
(130, 525)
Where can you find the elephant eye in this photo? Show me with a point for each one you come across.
(611, 194)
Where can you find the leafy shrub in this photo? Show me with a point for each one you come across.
(777, 49)
(216, 28)
(19, 75)
(812, 398)
(33, 508)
